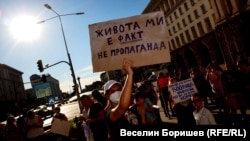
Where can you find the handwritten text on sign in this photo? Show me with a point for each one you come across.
(182, 90)
(140, 38)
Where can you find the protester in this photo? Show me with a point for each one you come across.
(202, 115)
(243, 67)
(213, 76)
(184, 109)
(11, 130)
(59, 115)
(202, 85)
(21, 123)
(34, 127)
(100, 98)
(96, 118)
(162, 84)
(143, 109)
(233, 83)
(149, 91)
(120, 100)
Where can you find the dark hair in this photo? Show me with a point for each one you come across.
(99, 97)
(139, 94)
(174, 78)
(58, 108)
(85, 96)
(30, 114)
(197, 95)
(10, 120)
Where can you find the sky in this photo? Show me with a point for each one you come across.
(47, 43)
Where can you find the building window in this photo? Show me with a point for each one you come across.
(186, 6)
(178, 41)
(194, 32)
(196, 14)
(171, 19)
(192, 2)
(190, 18)
(174, 29)
(180, 10)
(184, 22)
(200, 27)
(175, 15)
(179, 26)
(173, 44)
(167, 22)
(182, 38)
(169, 31)
(203, 9)
(188, 35)
(208, 24)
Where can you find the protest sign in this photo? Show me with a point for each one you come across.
(182, 90)
(61, 127)
(142, 39)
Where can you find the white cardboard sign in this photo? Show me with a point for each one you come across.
(61, 127)
(182, 90)
(142, 39)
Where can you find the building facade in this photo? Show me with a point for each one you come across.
(201, 32)
(45, 87)
(12, 92)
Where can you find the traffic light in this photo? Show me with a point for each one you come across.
(40, 65)
(44, 78)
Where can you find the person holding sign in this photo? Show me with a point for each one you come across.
(183, 109)
(120, 100)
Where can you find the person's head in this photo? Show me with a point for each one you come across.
(30, 114)
(174, 80)
(112, 90)
(97, 95)
(86, 101)
(57, 110)
(243, 65)
(197, 101)
(139, 97)
(11, 120)
(146, 86)
(161, 74)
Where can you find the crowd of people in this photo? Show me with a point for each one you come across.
(122, 106)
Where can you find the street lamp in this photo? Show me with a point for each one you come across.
(69, 58)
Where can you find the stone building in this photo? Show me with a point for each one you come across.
(205, 31)
(12, 92)
(47, 86)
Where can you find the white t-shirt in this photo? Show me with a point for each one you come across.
(204, 117)
(33, 130)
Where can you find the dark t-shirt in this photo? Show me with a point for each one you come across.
(99, 128)
(114, 127)
(184, 112)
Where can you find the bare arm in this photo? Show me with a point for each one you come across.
(124, 103)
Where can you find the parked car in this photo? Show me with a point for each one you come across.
(44, 111)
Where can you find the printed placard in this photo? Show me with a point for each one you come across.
(182, 90)
(142, 39)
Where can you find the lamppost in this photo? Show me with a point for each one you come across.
(69, 58)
